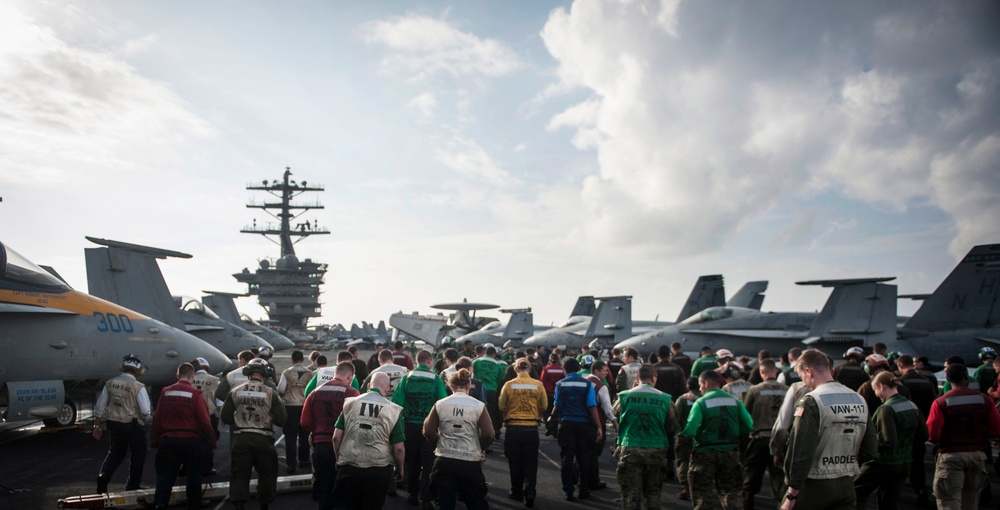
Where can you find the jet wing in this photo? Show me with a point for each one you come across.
(994, 341)
(19, 308)
(749, 333)
(200, 327)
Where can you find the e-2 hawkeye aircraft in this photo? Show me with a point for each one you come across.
(59, 343)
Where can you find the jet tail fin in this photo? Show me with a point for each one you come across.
(612, 323)
(356, 331)
(224, 306)
(584, 306)
(382, 332)
(708, 291)
(520, 325)
(751, 295)
(967, 298)
(127, 274)
(859, 311)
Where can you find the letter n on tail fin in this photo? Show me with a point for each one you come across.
(967, 298)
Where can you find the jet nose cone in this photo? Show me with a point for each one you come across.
(531, 341)
(192, 347)
(260, 342)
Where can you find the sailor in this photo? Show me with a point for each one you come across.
(450, 357)
(266, 353)
(642, 414)
(320, 412)
(874, 364)
(124, 406)
(615, 364)
(788, 375)
(400, 357)
(235, 377)
(292, 387)
(252, 409)
(679, 413)
(523, 400)
(961, 423)
(598, 375)
(416, 394)
(550, 375)
(851, 373)
(670, 378)
(830, 434)
(762, 401)
(922, 393)
(705, 362)
(755, 377)
(360, 367)
(898, 423)
(783, 422)
(387, 366)
(579, 427)
(180, 425)
(368, 442)
(461, 428)
(627, 374)
(985, 375)
(373, 362)
(735, 385)
(677, 357)
(326, 373)
(716, 422)
(207, 383)
(490, 370)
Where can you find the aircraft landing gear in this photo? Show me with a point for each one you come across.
(66, 416)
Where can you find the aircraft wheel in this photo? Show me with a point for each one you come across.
(65, 418)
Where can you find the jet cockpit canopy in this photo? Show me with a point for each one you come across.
(576, 319)
(18, 269)
(491, 326)
(717, 313)
(190, 304)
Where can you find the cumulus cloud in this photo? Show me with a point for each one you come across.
(470, 159)
(424, 104)
(420, 46)
(65, 108)
(704, 117)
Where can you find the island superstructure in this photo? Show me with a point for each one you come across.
(288, 288)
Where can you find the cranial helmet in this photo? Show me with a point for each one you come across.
(131, 361)
(987, 353)
(257, 365)
(587, 360)
(875, 361)
(723, 354)
(856, 352)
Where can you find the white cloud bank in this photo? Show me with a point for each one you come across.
(420, 46)
(705, 115)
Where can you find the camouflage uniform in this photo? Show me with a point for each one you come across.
(716, 421)
(643, 425)
(679, 414)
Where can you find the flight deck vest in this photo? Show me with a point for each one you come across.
(207, 384)
(123, 406)
(296, 379)
(738, 388)
(459, 427)
(368, 423)
(628, 372)
(965, 421)
(843, 418)
(906, 417)
(236, 377)
(395, 373)
(643, 411)
(598, 384)
(325, 375)
(253, 408)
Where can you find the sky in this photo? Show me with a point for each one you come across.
(517, 153)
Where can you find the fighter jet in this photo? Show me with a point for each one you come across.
(576, 332)
(858, 312)
(224, 305)
(128, 274)
(58, 343)
(961, 316)
(518, 327)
